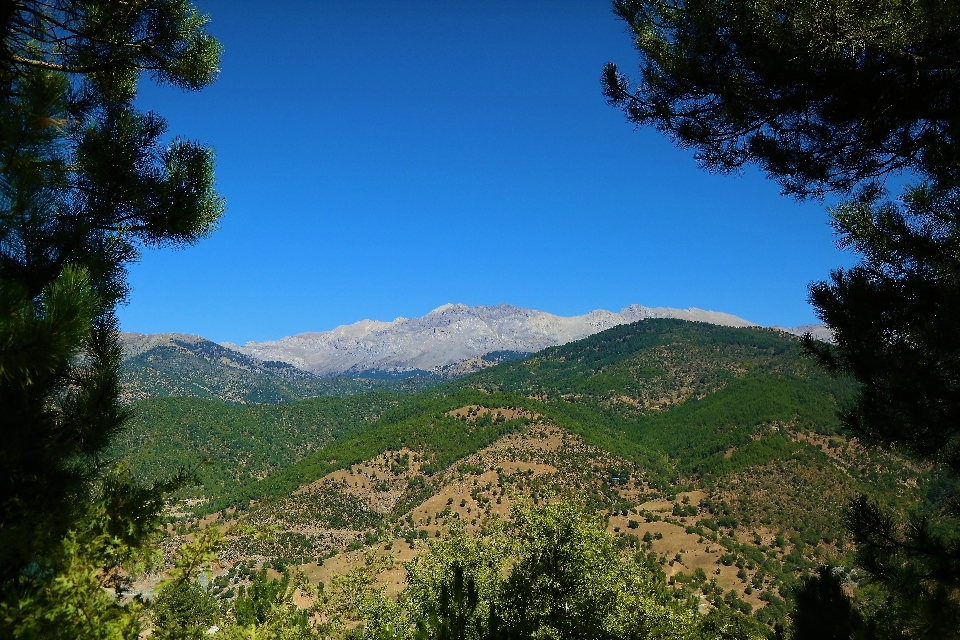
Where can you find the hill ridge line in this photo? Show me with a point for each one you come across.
(455, 332)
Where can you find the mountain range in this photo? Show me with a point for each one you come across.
(182, 365)
(454, 333)
(406, 354)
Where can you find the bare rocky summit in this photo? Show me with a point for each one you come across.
(451, 334)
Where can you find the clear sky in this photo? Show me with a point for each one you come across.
(380, 159)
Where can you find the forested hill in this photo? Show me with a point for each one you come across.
(179, 365)
(647, 367)
(693, 391)
(676, 396)
(736, 422)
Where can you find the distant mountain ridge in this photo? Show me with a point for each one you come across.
(405, 354)
(137, 344)
(178, 364)
(450, 334)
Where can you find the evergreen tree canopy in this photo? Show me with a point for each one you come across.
(896, 320)
(85, 181)
(823, 611)
(838, 96)
(822, 95)
(896, 323)
(108, 44)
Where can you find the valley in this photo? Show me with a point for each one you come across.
(712, 454)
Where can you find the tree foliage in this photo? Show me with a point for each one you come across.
(839, 96)
(823, 610)
(551, 572)
(822, 95)
(569, 580)
(86, 180)
(183, 611)
(896, 322)
(74, 592)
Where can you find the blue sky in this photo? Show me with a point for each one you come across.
(380, 159)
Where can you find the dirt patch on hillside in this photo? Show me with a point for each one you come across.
(538, 464)
(385, 474)
(473, 412)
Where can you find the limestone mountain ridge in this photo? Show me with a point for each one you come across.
(452, 333)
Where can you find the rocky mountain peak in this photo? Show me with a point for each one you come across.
(451, 333)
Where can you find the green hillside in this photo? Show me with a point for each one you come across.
(231, 445)
(685, 400)
(687, 391)
(643, 368)
(717, 447)
(202, 369)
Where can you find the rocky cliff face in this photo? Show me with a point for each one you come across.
(449, 334)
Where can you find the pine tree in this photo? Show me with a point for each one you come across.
(896, 323)
(86, 180)
(822, 96)
(837, 97)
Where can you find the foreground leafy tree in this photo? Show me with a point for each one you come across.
(837, 97)
(454, 587)
(76, 601)
(85, 181)
(183, 611)
(569, 581)
(256, 605)
(552, 572)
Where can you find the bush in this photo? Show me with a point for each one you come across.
(260, 602)
(183, 610)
